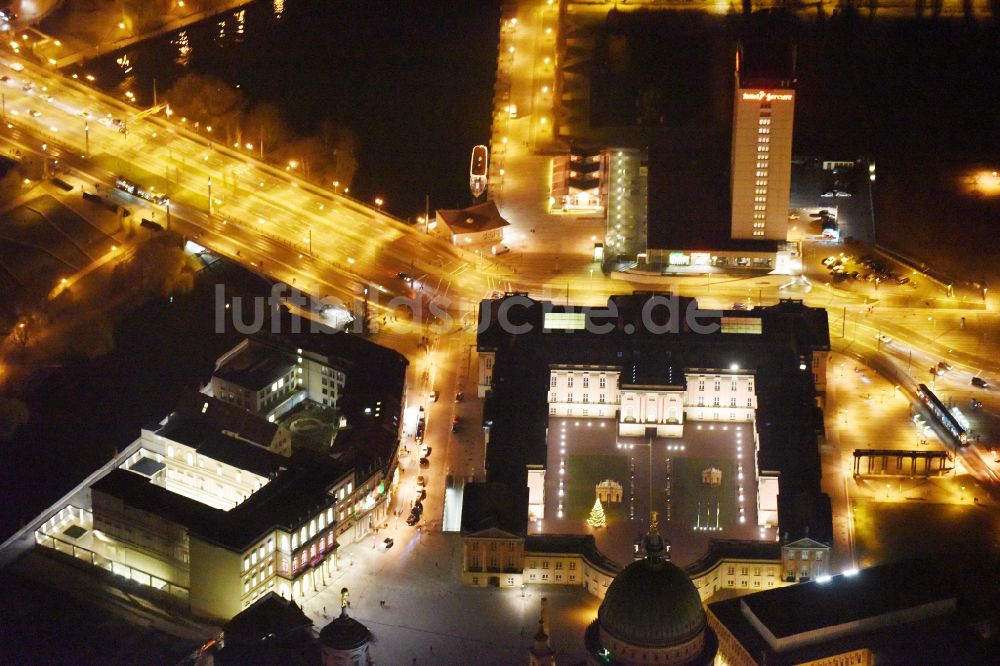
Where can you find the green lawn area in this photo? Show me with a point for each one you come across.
(583, 473)
(312, 426)
(887, 531)
(688, 493)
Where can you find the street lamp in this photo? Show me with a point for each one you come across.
(336, 184)
(378, 202)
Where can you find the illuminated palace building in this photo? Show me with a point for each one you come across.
(715, 430)
(251, 485)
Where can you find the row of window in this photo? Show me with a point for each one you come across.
(715, 402)
(602, 381)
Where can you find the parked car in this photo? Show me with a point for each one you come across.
(388, 543)
(424, 462)
(421, 494)
(980, 382)
(425, 452)
(434, 395)
(418, 507)
(884, 339)
(421, 481)
(454, 424)
(413, 519)
(459, 396)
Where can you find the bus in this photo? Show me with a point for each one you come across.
(128, 186)
(942, 415)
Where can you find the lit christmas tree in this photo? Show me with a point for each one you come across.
(597, 518)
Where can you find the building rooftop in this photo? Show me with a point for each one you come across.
(271, 614)
(211, 442)
(295, 494)
(493, 505)
(226, 417)
(255, 366)
(861, 607)
(481, 217)
(849, 599)
(581, 544)
(787, 417)
(766, 62)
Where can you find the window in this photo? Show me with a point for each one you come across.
(601, 398)
(572, 566)
(246, 563)
(552, 396)
(718, 385)
(586, 397)
(545, 564)
(756, 571)
(715, 401)
(586, 382)
(545, 576)
(602, 382)
(569, 397)
(731, 570)
(510, 580)
(749, 402)
(569, 382)
(559, 565)
(743, 571)
(552, 383)
(701, 384)
(701, 401)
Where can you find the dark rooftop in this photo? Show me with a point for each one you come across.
(271, 614)
(209, 441)
(767, 63)
(224, 416)
(844, 599)
(481, 217)
(256, 366)
(582, 544)
(494, 506)
(719, 549)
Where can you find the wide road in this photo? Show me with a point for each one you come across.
(254, 208)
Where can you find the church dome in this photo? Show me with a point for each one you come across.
(652, 603)
(344, 633)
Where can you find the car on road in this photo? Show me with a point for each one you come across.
(455, 424)
(884, 339)
(403, 276)
(33, 113)
(829, 261)
(388, 543)
(424, 462)
(421, 494)
(459, 396)
(944, 367)
(418, 507)
(980, 382)
(413, 519)
(421, 481)
(434, 395)
(425, 452)
(500, 249)
(934, 370)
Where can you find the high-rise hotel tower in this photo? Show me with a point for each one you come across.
(763, 114)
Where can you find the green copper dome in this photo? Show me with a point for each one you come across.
(652, 602)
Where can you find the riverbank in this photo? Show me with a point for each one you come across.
(73, 34)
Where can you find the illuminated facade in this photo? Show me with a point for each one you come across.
(761, 169)
(215, 507)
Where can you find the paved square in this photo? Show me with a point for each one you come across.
(660, 474)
